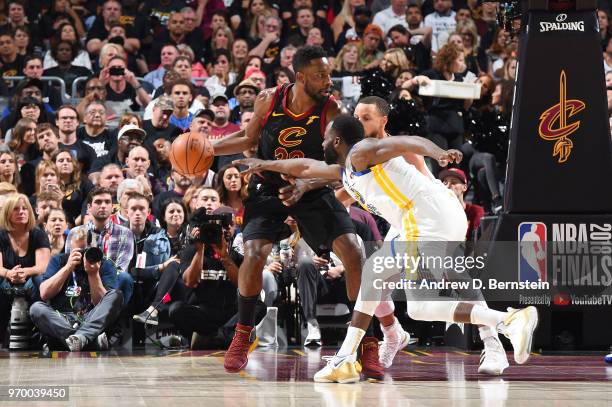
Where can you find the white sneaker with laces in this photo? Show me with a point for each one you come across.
(493, 360)
(338, 370)
(519, 327)
(389, 347)
(74, 343)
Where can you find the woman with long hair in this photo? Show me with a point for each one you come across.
(229, 184)
(47, 178)
(24, 250)
(75, 189)
(221, 77)
(25, 107)
(475, 58)
(346, 18)
(172, 222)
(445, 116)
(23, 140)
(9, 170)
(54, 222)
(240, 53)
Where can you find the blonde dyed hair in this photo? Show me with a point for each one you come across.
(9, 205)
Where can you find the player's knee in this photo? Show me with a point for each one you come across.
(254, 254)
(347, 248)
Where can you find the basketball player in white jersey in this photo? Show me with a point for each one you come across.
(375, 173)
(372, 112)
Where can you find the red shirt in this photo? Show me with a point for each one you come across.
(474, 213)
(217, 133)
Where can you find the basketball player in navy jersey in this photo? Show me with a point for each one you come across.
(289, 122)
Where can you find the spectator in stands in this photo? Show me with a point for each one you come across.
(48, 141)
(221, 77)
(116, 242)
(29, 107)
(9, 169)
(245, 94)
(345, 20)
(269, 44)
(75, 188)
(64, 53)
(23, 141)
(81, 298)
(110, 178)
(603, 17)
(168, 54)
(182, 65)
(128, 138)
(94, 133)
(98, 33)
(222, 127)
(24, 251)
(159, 125)
(172, 224)
(175, 34)
(12, 62)
(182, 94)
(282, 76)
(240, 53)
(108, 52)
(17, 17)
(67, 32)
(95, 91)
(369, 52)
(138, 164)
(60, 13)
(161, 154)
(229, 186)
(419, 52)
(55, 225)
(202, 121)
(44, 202)
(498, 51)
(181, 184)
(442, 21)
(22, 40)
(151, 246)
(67, 120)
(445, 121)
(222, 38)
(46, 178)
(455, 180)
(212, 273)
(392, 15)
(125, 189)
(117, 77)
(475, 57)
(33, 70)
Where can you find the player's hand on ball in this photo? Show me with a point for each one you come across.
(450, 156)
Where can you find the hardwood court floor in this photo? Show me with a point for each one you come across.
(419, 377)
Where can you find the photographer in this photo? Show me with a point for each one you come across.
(210, 268)
(81, 297)
(116, 77)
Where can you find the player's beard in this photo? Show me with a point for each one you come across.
(331, 156)
(312, 93)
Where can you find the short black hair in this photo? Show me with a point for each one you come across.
(348, 128)
(304, 56)
(398, 28)
(381, 104)
(98, 190)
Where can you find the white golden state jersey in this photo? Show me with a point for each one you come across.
(417, 207)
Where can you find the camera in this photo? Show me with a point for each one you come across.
(116, 71)
(92, 254)
(213, 228)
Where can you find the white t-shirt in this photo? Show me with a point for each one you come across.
(386, 19)
(440, 23)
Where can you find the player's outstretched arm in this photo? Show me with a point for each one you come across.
(295, 167)
(243, 140)
(371, 152)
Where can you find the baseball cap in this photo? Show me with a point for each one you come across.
(453, 172)
(205, 112)
(247, 83)
(132, 128)
(218, 96)
(164, 103)
(373, 29)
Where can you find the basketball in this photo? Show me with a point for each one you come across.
(191, 154)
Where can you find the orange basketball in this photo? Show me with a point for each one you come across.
(191, 154)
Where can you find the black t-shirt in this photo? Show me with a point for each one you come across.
(38, 240)
(128, 94)
(153, 133)
(102, 144)
(84, 154)
(14, 68)
(74, 198)
(160, 14)
(215, 290)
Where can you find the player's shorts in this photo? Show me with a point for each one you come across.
(321, 218)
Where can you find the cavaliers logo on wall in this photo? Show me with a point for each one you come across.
(554, 124)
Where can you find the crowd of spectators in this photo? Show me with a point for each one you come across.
(87, 164)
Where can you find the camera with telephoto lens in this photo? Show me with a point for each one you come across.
(92, 254)
(212, 228)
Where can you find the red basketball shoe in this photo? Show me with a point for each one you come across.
(237, 355)
(370, 364)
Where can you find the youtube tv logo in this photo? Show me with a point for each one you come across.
(561, 299)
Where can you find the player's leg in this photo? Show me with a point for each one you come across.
(394, 336)
(249, 288)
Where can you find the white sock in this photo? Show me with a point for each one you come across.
(351, 342)
(487, 332)
(486, 316)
